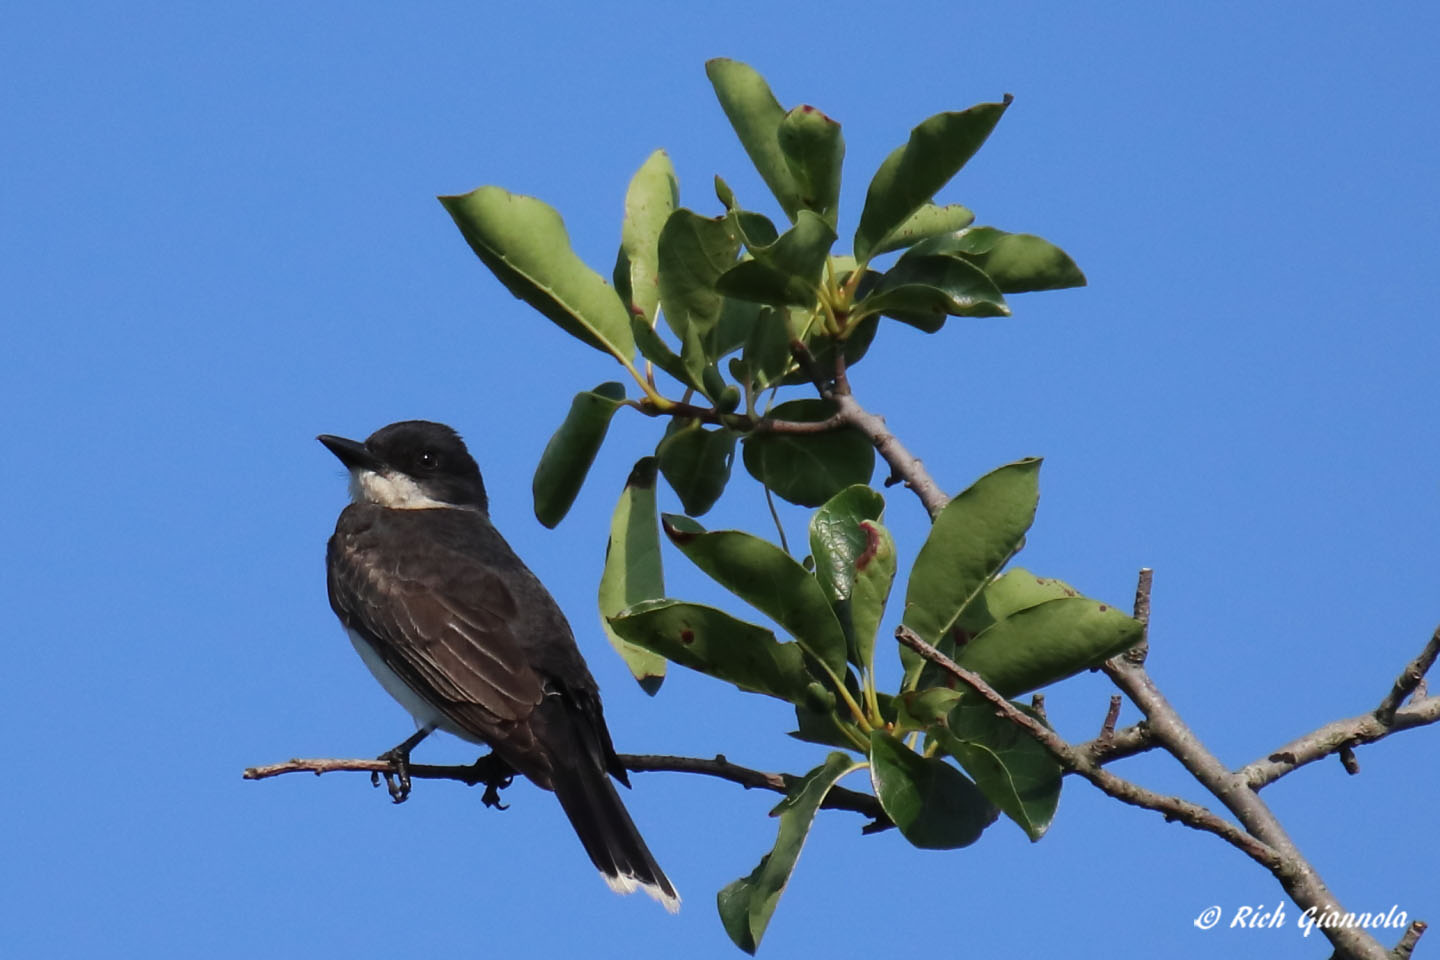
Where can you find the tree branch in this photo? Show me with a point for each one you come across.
(1262, 838)
(468, 774)
(1127, 742)
(1406, 946)
(838, 798)
(1295, 874)
(1408, 680)
(905, 466)
(771, 425)
(739, 421)
(1335, 737)
(1342, 736)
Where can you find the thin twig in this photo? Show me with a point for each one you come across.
(838, 798)
(1408, 680)
(904, 464)
(1334, 736)
(771, 425)
(739, 421)
(1125, 742)
(1136, 655)
(1107, 728)
(1342, 735)
(470, 774)
(1406, 946)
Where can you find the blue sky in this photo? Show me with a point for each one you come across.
(218, 238)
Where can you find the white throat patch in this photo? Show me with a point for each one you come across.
(389, 489)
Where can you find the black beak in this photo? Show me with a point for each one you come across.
(352, 453)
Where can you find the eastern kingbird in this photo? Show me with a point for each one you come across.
(457, 628)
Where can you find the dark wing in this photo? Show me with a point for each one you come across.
(442, 621)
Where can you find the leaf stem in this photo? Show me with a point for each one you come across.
(872, 701)
(646, 381)
(832, 322)
(775, 516)
(861, 720)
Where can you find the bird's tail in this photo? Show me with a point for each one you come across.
(590, 800)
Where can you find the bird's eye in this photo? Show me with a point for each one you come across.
(428, 460)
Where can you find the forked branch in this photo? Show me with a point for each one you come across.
(1260, 835)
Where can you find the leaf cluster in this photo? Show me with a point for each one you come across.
(727, 309)
(749, 308)
(942, 764)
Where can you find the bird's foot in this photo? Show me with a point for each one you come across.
(397, 779)
(496, 774)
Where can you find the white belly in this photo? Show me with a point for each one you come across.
(418, 707)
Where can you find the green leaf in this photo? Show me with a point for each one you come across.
(649, 201)
(808, 468)
(854, 564)
(718, 645)
(523, 242)
(732, 331)
(747, 904)
(696, 463)
(658, 352)
(934, 805)
(756, 115)
(814, 151)
(874, 576)
(767, 350)
(786, 271)
(971, 539)
(923, 290)
(928, 221)
(765, 576)
(912, 174)
(918, 710)
(1016, 262)
(1010, 767)
(1050, 641)
(755, 229)
(1015, 590)
(693, 252)
(633, 571)
(823, 727)
(571, 450)
(836, 539)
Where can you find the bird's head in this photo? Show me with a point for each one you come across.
(411, 465)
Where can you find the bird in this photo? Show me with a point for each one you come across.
(458, 630)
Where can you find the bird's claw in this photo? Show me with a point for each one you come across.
(491, 796)
(397, 779)
(496, 774)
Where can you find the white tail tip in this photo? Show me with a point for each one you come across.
(627, 884)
